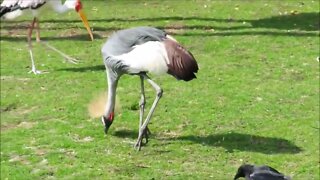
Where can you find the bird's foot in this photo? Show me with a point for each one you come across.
(145, 135)
(66, 57)
(137, 146)
(71, 60)
(35, 71)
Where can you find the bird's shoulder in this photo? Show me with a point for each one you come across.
(139, 35)
(266, 168)
(124, 41)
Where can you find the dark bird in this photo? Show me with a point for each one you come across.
(251, 172)
(10, 9)
(138, 51)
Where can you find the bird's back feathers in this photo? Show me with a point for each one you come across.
(182, 64)
(124, 41)
(8, 6)
(265, 168)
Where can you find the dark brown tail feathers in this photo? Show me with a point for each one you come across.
(182, 64)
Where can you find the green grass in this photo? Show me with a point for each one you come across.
(256, 98)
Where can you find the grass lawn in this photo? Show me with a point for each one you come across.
(255, 99)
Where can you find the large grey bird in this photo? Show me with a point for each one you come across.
(10, 9)
(252, 172)
(138, 51)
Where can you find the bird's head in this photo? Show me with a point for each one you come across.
(77, 6)
(73, 4)
(107, 121)
(243, 170)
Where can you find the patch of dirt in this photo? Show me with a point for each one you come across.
(24, 124)
(19, 158)
(37, 150)
(14, 78)
(40, 152)
(77, 138)
(15, 30)
(10, 107)
(13, 109)
(20, 111)
(176, 28)
(68, 152)
(27, 110)
(169, 134)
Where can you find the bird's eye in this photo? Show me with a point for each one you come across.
(78, 5)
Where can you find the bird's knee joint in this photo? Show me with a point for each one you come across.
(159, 92)
(142, 102)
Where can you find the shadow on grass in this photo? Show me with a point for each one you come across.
(299, 21)
(75, 37)
(232, 142)
(84, 69)
(245, 142)
(301, 24)
(308, 21)
(124, 133)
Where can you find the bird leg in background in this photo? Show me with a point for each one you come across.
(37, 30)
(68, 58)
(143, 128)
(33, 68)
(141, 104)
(35, 24)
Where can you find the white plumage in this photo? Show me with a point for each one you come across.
(148, 57)
(21, 6)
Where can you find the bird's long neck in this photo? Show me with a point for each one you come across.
(112, 87)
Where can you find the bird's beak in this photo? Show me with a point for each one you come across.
(107, 123)
(85, 22)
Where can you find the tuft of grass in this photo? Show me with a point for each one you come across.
(256, 98)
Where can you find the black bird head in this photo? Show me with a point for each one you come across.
(244, 170)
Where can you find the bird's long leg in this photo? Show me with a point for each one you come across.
(66, 57)
(143, 128)
(33, 68)
(142, 104)
(37, 29)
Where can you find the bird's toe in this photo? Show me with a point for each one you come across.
(35, 71)
(137, 146)
(72, 60)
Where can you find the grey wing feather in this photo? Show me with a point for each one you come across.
(123, 41)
